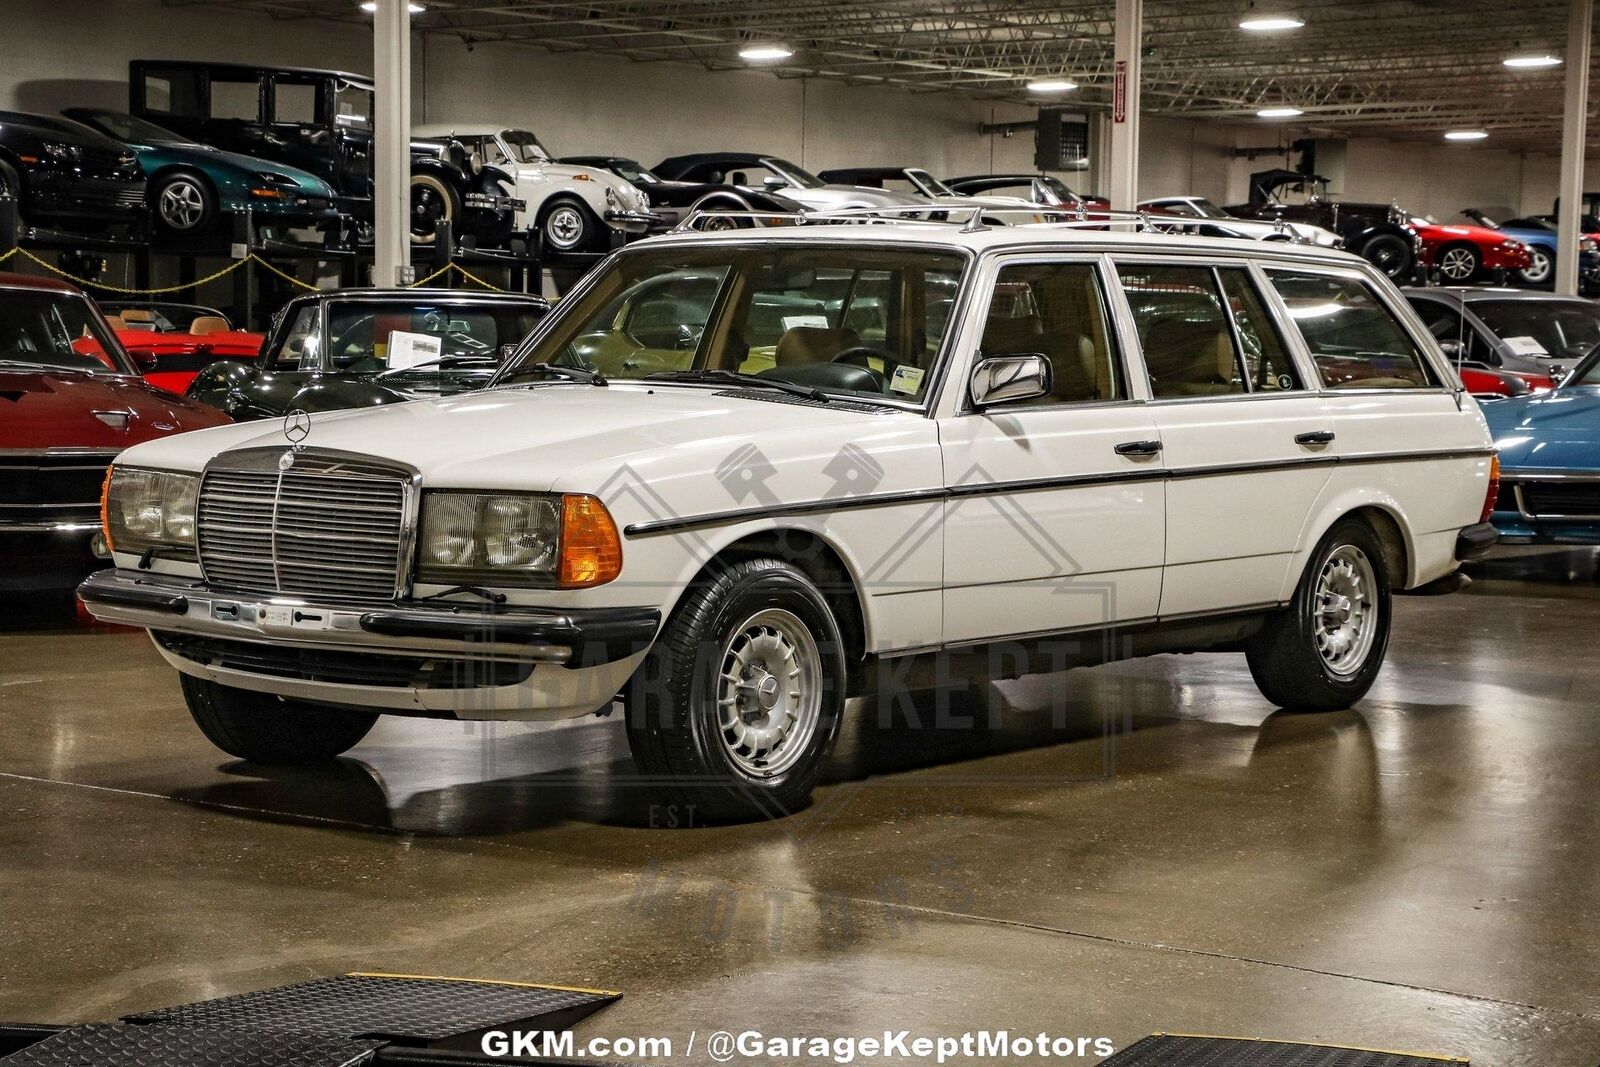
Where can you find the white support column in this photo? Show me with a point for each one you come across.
(1574, 131)
(1124, 189)
(391, 154)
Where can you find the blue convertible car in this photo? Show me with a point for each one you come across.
(1539, 234)
(1550, 458)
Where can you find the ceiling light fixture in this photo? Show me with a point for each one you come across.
(1465, 135)
(1532, 62)
(758, 53)
(1269, 23)
(1052, 85)
(1279, 112)
(371, 7)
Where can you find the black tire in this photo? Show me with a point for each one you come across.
(1390, 253)
(1286, 660)
(675, 726)
(567, 225)
(433, 200)
(182, 204)
(1458, 264)
(263, 728)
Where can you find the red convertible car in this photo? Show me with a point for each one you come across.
(175, 348)
(70, 400)
(1463, 253)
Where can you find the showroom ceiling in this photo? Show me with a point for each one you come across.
(1406, 67)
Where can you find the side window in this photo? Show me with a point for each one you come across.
(173, 92)
(299, 351)
(1058, 310)
(1265, 356)
(294, 103)
(1184, 331)
(1356, 341)
(236, 99)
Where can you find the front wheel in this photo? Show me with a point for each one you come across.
(568, 226)
(1324, 651)
(739, 702)
(264, 728)
(1540, 266)
(1390, 253)
(432, 201)
(1458, 264)
(183, 204)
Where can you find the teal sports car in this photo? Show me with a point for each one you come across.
(190, 186)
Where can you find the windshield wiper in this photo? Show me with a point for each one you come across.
(556, 370)
(735, 377)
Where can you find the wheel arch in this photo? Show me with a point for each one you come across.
(1378, 510)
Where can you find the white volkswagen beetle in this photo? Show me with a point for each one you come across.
(575, 209)
(733, 475)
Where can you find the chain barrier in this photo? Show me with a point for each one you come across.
(285, 275)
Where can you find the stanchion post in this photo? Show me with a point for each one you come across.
(444, 246)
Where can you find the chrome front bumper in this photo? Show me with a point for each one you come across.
(632, 221)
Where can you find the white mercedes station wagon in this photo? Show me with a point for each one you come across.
(734, 475)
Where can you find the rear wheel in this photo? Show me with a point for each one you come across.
(264, 728)
(432, 201)
(1325, 650)
(1389, 253)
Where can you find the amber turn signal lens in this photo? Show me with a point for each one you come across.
(1494, 488)
(105, 510)
(591, 550)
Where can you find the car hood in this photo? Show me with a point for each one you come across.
(539, 436)
(208, 158)
(1479, 234)
(845, 196)
(75, 409)
(570, 172)
(1555, 429)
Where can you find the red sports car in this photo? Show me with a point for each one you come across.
(70, 400)
(176, 346)
(1463, 253)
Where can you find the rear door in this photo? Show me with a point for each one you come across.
(1245, 441)
(1055, 520)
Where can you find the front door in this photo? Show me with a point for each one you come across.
(1055, 519)
(1247, 445)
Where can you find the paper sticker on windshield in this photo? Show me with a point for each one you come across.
(818, 321)
(1525, 346)
(906, 379)
(410, 349)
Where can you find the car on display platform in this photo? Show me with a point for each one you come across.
(914, 181)
(63, 174)
(190, 187)
(1198, 207)
(1537, 336)
(1043, 189)
(320, 121)
(1461, 254)
(673, 201)
(171, 357)
(1539, 235)
(1549, 447)
(352, 348)
(573, 208)
(70, 400)
(1379, 233)
(746, 172)
(734, 475)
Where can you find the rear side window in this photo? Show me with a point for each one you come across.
(1266, 358)
(240, 100)
(1184, 331)
(1058, 310)
(1356, 341)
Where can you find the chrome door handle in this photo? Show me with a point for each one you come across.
(1315, 437)
(1139, 448)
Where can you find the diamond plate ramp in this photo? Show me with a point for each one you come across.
(122, 1045)
(408, 1009)
(1190, 1050)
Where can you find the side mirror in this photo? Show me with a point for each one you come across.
(1453, 350)
(144, 360)
(507, 351)
(1008, 378)
(774, 183)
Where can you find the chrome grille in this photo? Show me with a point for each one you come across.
(325, 527)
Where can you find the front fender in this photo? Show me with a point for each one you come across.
(218, 382)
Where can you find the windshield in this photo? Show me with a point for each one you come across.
(796, 176)
(929, 185)
(57, 330)
(869, 322)
(368, 336)
(525, 147)
(1557, 328)
(352, 105)
(135, 130)
(630, 171)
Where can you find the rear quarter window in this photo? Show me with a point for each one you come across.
(1355, 340)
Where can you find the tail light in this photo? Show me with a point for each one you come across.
(1494, 488)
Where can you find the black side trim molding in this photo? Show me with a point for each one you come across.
(595, 635)
(1028, 485)
(150, 599)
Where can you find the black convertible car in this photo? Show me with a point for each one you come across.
(61, 172)
(673, 201)
(352, 348)
(1376, 232)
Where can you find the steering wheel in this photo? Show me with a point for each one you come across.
(875, 361)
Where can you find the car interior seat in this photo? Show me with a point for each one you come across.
(208, 324)
(1189, 359)
(800, 345)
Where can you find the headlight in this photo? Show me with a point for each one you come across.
(144, 510)
(270, 178)
(64, 152)
(517, 539)
(611, 196)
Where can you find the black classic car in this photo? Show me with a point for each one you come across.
(1045, 189)
(673, 201)
(1376, 232)
(63, 173)
(351, 348)
(320, 121)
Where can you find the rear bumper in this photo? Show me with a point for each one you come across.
(464, 659)
(1475, 541)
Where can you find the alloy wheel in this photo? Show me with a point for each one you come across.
(1537, 272)
(1458, 264)
(769, 692)
(1344, 612)
(182, 204)
(565, 227)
